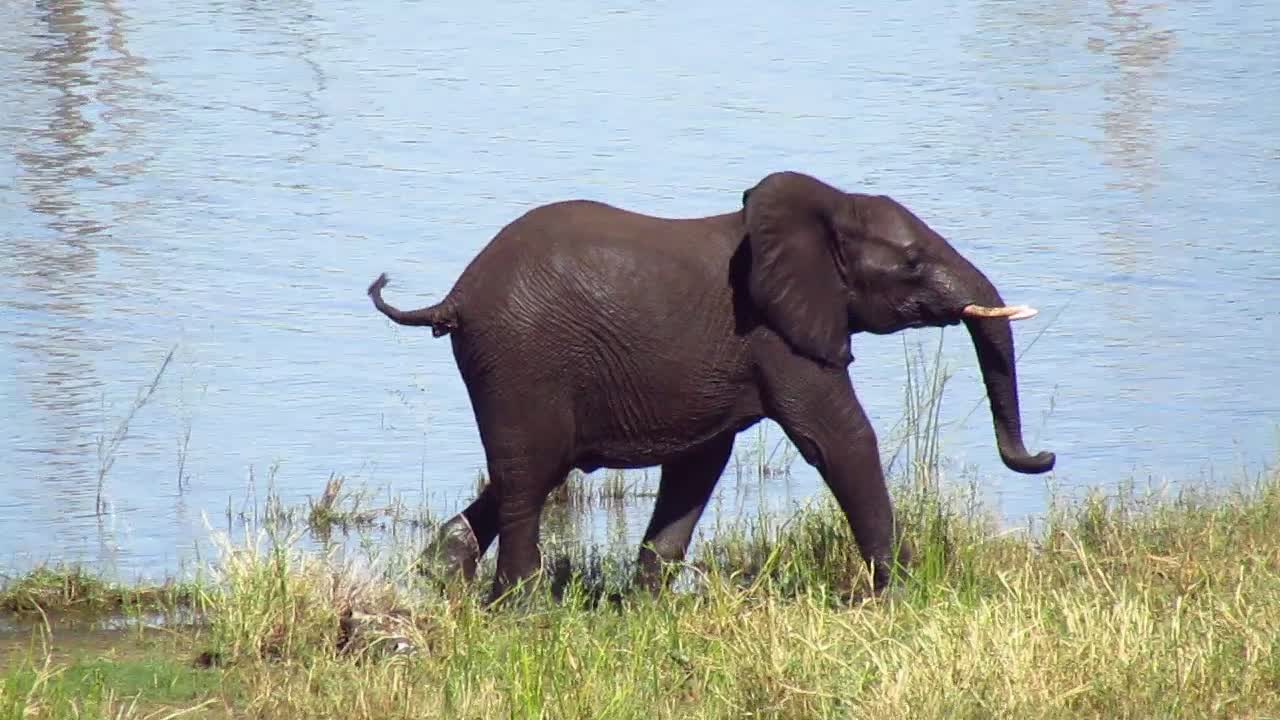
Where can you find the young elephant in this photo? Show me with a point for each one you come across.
(590, 336)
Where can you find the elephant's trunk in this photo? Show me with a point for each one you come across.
(993, 341)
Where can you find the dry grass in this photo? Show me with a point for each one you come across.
(1115, 608)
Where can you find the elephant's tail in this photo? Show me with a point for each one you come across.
(442, 317)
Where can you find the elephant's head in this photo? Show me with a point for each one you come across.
(826, 264)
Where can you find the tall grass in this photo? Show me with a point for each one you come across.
(109, 446)
(1120, 606)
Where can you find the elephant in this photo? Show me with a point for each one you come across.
(590, 336)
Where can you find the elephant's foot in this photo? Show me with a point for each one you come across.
(888, 583)
(655, 573)
(455, 547)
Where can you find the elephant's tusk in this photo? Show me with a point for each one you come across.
(1013, 312)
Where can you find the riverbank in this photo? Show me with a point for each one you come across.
(1125, 605)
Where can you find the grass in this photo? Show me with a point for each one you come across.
(1120, 606)
(73, 594)
(105, 676)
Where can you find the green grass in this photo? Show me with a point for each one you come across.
(106, 686)
(103, 674)
(72, 593)
(1124, 606)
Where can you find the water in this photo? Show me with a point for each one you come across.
(227, 177)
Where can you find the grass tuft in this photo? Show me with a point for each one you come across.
(73, 593)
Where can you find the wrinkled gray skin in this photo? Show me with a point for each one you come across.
(590, 336)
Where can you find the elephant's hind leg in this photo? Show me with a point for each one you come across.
(526, 462)
(462, 541)
(683, 491)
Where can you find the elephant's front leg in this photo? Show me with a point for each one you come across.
(683, 492)
(820, 413)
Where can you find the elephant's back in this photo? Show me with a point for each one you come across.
(579, 278)
(593, 258)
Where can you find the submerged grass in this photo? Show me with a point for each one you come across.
(73, 593)
(1120, 606)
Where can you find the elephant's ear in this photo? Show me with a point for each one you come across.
(793, 279)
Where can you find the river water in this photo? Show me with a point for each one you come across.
(225, 178)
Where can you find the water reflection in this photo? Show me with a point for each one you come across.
(55, 154)
(301, 32)
(123, 88)
(1138, 51)
(63, 152)
(294, 34)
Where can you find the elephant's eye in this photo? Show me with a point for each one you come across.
(913, 259)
